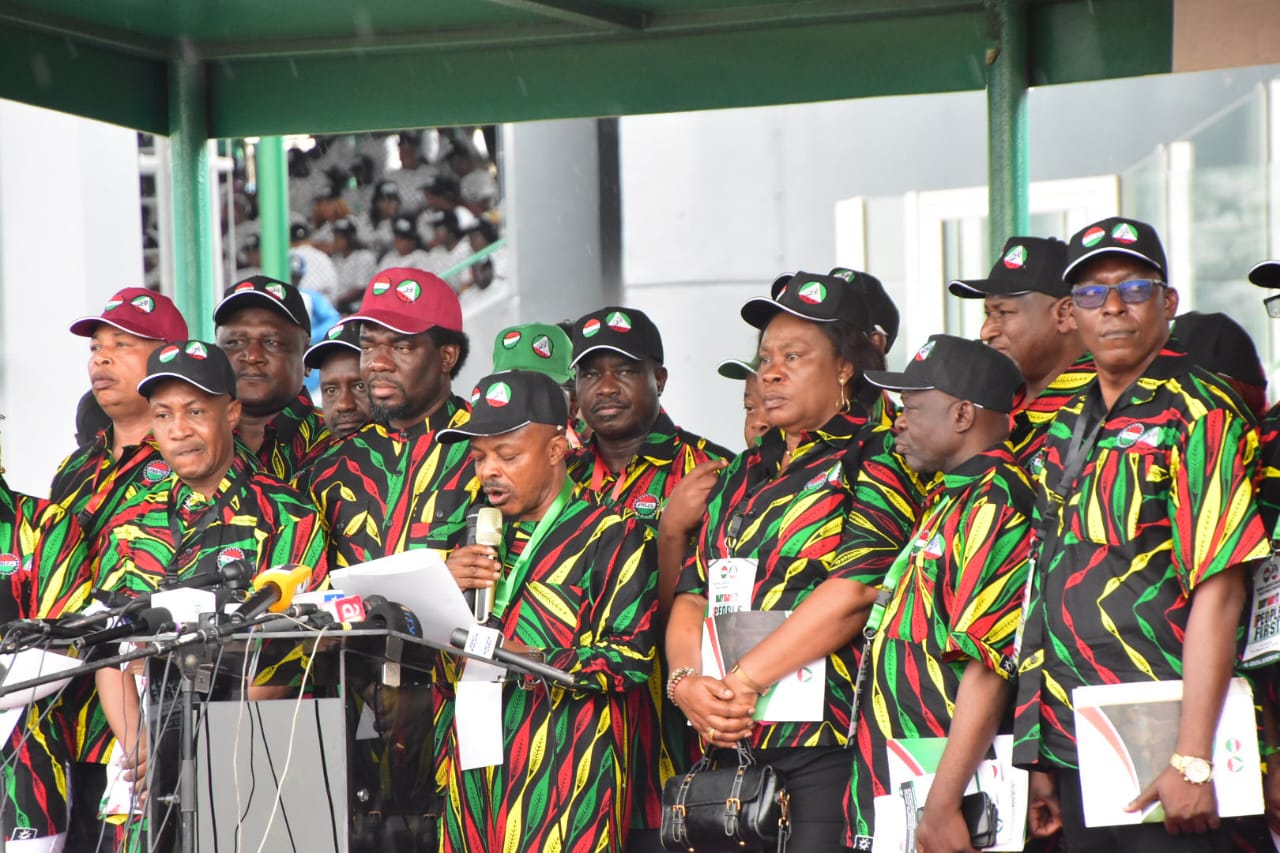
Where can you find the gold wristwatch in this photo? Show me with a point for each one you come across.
(1197, 771)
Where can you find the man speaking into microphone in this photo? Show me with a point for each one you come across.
(574, 585)
(218, 507)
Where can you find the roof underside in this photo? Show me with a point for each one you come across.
(297, 66)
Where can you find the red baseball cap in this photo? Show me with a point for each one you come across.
(409, 301)
(140, 312)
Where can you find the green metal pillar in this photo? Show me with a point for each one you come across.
(193, 261)
(1008, 172)
(273, 206)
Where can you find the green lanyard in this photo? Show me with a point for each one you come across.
(513, 579)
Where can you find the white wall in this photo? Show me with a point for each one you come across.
(70, 236)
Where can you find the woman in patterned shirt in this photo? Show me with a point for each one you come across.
(806, 521)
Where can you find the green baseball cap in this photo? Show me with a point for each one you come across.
(540, 347)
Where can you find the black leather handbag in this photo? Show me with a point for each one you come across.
(727, 808)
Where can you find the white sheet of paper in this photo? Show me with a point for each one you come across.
(477, 715)
(9, 721)
(419, 580)
(28, 664)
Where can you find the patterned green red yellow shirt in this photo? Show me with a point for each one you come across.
(44, 559)
(294, 439)
(178, 533)
(1165, 499)
(842, 508)
(382, 491)
(92, 485)
(664, 744)
(588, 599)
(1031, 421)
(959, 598)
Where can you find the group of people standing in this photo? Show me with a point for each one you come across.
(1071, 501)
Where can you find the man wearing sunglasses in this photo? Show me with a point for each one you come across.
(1147, 526)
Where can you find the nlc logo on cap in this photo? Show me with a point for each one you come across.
(168, 354)
(1091, 237)
(510, 339)
(1015, 258)
(1124, 233)
(408, 291)
(498, 395)
(381, 286)
(145, 304)
(197, 350)
(923, 352)
(590, 327)
(617, 321)
(813, 293)
(542, 346)
(276, 290)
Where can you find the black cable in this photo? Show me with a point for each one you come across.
(324, 770)
(208, 769)
(266, 747)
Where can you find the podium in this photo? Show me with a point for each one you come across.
(349, 768)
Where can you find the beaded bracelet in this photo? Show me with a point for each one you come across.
(675, 678)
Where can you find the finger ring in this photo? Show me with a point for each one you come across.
(711, 733)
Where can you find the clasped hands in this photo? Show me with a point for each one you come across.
(719, 709)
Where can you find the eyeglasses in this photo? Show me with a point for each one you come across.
(1133, 292)
(1273, 306)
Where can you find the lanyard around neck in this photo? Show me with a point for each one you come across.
(512, 580)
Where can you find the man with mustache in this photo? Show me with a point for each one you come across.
(95, 480)
(264, 328)
(390, 486)
(1028, 318)
(575, 585)
(344, 400)
(1147, 528)
(634, 459)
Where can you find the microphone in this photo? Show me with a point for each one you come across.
(232, 574)
(153, 620)
(484, 527)
(274, 590)
(520, 663)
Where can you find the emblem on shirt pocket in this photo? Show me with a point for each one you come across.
(645, 506)
(228, 556)
(934, 547)
(9, 563)
(156, 471)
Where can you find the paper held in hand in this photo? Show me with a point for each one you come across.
(912, 764)
(1126, 734)
(731, 629)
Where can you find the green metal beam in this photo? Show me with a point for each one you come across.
(1099, 39)
(273, 206)
(1008, 160)
(586, 12)
(71, 75)
(193, 261)
(613, 75)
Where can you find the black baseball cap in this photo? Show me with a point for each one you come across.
(736, 368)
(343, 337)
(1026, 265)
(1116, 235)
(346, 225)
(402, 226)
(264, 292)
(445, 186)
(298, 230)
(1266, 274)
(811, 296)
(969, 370)
(884, 314)
(197, 362)
(505, 402)
(626, 331)
(1218, 344)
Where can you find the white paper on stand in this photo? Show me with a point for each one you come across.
(419, 580)
(478, 715)
(28, 664)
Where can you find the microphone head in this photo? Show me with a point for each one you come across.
(489, 526)
(153, 620)
(289, 578)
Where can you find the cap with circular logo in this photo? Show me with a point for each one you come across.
(884, 314)
(199, 363)
(540, 347)
(140, 312)
(1027, 265)
(260, 291)
(344, 337)
(811, 296)
(505, 402)
(968, 370)
(1115, 236)
(409, 301)
(626, 331)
